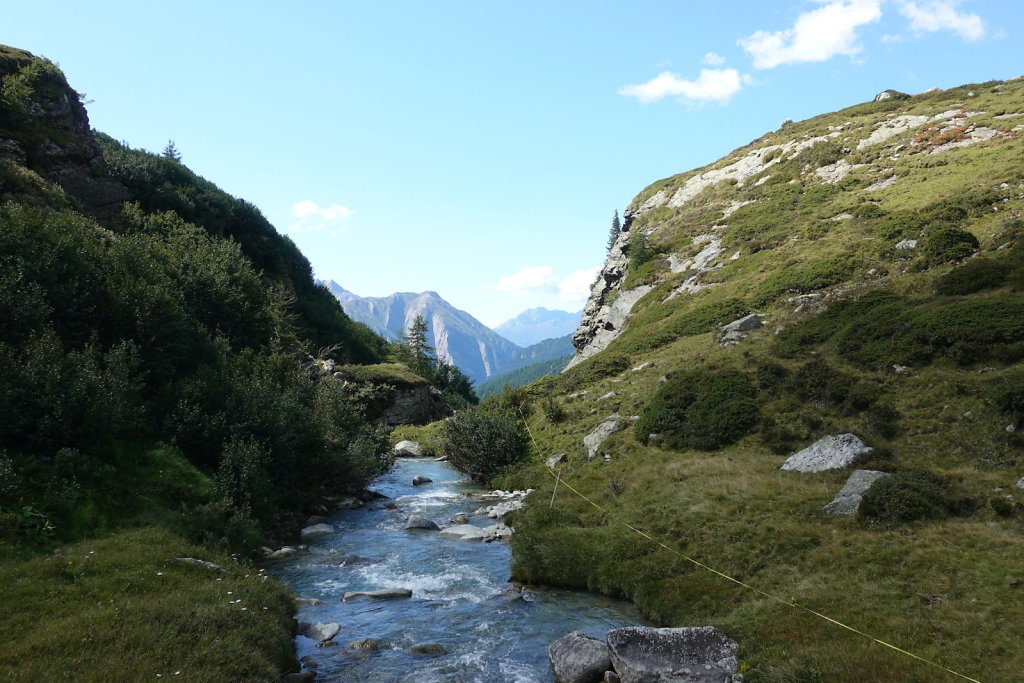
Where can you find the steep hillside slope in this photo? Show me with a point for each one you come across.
(881, 248)
(537, 324)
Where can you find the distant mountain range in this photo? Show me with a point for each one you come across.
(537, 324)
(457, 336)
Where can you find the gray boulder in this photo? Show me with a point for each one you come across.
(579, 658)
(316, 519)
(383, 594)
(459, 518)
(700, 654)
(592, 441)
(556, 460)
(465, 532)
(322, 632)
(420, 480)
(408, 449)
(415, 522)
(848, 499)
(316, 531)
(286, 551)
(828, 453)
(1020, 483)
(427, 649)
(308, 602)
(744, 324)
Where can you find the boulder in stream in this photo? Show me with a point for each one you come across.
(427, 649)
(415, 522)
(579, 658)
(316, 531)
(420, 480)
(363, 644)
(408, 449)
(698, 654)
(321, 632)
(383, 594)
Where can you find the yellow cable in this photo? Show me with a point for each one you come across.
(788, 603)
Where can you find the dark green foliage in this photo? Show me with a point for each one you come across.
(771, 378)
(481, 442)
(161, 184)
(702, 410)
(788, 423)
(523, 376)
(552, 410)
(639, 250)
(947, 244)
(805, 278)
(911, 496)
(900, 225)
(881, 329)
(603, 365)
(821, 154)
(647, 331)
(1011, 402)
(413, 350)
(616, 230)
(976, 275)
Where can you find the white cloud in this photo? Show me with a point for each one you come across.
(712, 85)
(942, 15)
(543, 280)
(576, 286)
(311, 217)
(712, 59)
(816, 36)
(529, 280)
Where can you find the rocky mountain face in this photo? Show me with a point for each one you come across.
(457, 336)
(537, 324)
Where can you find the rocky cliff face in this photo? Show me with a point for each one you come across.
(44, 127)
(702, 221)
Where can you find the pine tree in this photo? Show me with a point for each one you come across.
(171, 152)
(615, 231)
(421, 352)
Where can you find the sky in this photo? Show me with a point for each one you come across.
(479, 149)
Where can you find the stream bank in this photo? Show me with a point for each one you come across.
(464, 621)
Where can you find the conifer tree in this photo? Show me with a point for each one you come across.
(615, 231)
(171, 152)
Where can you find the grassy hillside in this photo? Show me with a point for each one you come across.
(522, 376)
(915, 349)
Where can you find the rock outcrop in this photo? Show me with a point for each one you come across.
(700, 654)
(592, 441)
(847, 501)
(579, 658)
(828, 453)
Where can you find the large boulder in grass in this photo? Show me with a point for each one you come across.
(828, 453)
(579, 658)
(848, 499)
(699, 654)
(592, 441)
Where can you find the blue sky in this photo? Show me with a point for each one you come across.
(478, 149)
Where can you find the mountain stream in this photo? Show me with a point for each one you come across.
(488, 629)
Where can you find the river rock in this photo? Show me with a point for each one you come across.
(465, 532)
(427, 649)
(316, 531)
(828, 453)
(308, 602)
(316, 519)
(383, 594)
(420, 480)
(350, 560)
(322, 631)
(408, 449)
(699, 654)
(286, 551)
(592, 441)
(579, 658)
(459, 518)
(848, 499)
(363, 644)
(415, 522)
(205, 564)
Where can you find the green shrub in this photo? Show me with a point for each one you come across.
(771, 377)
(788, 423)
(593, 369)
(802, 279)
(947, 244)
(913, 495)
(703, 410)
(482, 442)
(974, 276)
(1011, 402)
(553, 410)
(646, 332)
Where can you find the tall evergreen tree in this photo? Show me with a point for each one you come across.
(421, 352)
(171, 152)
(615, 231)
